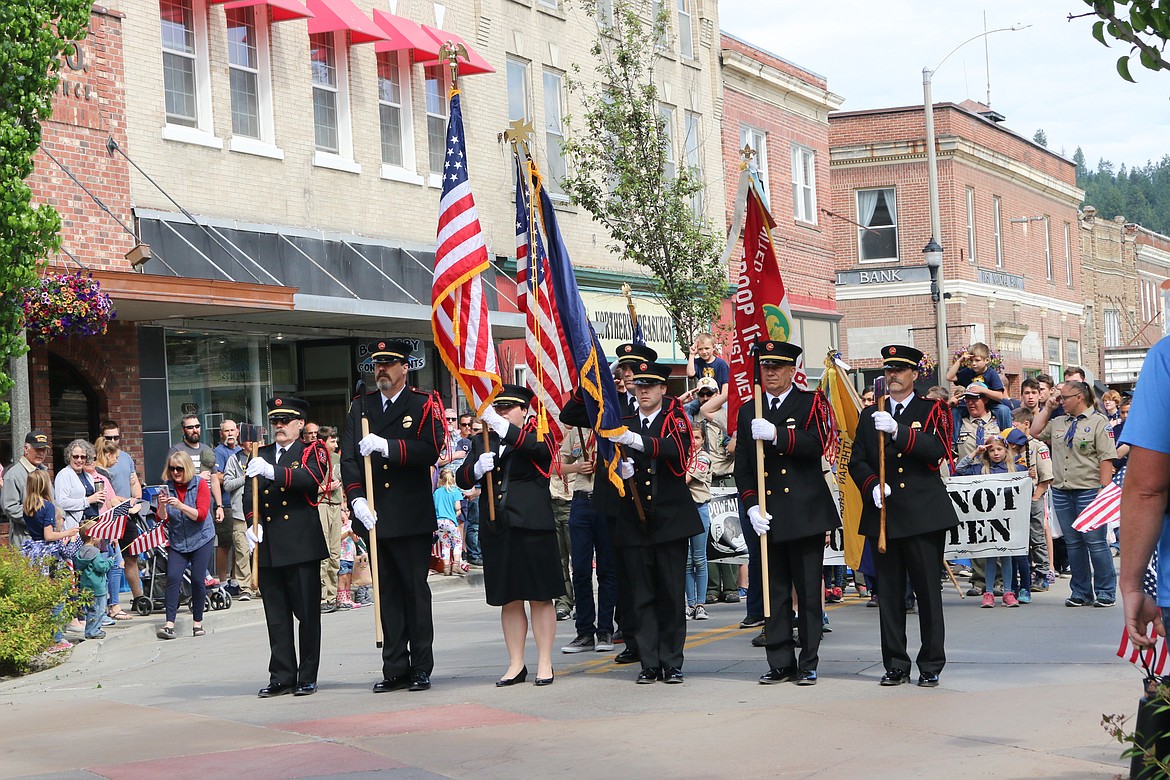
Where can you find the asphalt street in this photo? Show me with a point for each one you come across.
(1022, 696)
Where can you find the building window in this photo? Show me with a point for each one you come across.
(1112, 328)
(392, 108)
(694, 158)
(554, 130)
(248, 73)
(997, 218)
(1150, 312)
(519, 102)
(550, 3)
(185, 66)
(686, 34)
(1068, 254)
(436, 118)
(605, 14)
(877, 238)
(804, 184)
(669, 161)
(658, 17)
(1047, 250)
(971, 224)
(1073, 350)
(757, 141)
(330, 94)
(1054, 361)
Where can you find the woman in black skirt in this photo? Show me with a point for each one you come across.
(520, 557)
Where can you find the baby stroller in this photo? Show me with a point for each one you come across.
(154, 572)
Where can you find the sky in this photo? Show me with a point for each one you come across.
(1052, 75)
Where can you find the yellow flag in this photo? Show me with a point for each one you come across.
(846, 410)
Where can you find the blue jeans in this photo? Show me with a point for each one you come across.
(471, 531)
(697, 561)
(1089, 557)
(177, 563)
(94, 614)
(114, 575)
(589, 541)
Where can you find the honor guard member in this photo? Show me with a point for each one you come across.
(407, 432)
(629, 356)
(289, 476)
(521, 561)
(795, 429)
(919, 511)
(654, 544)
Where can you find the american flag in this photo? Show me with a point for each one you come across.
(459, 311)
(551, 373)
(111, 524)
(155, 537)
(1105, 508)
(1153, 658)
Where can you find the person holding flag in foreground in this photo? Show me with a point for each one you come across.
(914, 434)
(796, 430)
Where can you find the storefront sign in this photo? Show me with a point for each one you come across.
(860, 277)
(1000, 279)
(608, 313)
(417, 360)
(74, 73)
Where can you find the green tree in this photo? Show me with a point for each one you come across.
(34, 34)
(1143, 24)
(618, 172)
(1041, 138)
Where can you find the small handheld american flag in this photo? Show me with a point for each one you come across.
(1105, 508)
(111, 524)
(1150, 659)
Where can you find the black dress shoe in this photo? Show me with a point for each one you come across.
(647, 676)
(626, 656)
(542, 681)
(520, 677)
(895, 677)
(782, 674)
(308, 689)
(274, 690)
(928, 681)
(398, 683)
(420, 681)
(806, 677)
(672, 675)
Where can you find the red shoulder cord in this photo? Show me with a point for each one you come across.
(677, 425)
(821, 420)
(943, 424)
(433, 406)
(316, 450)
(529, 429)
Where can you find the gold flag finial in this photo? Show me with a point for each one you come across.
(747, 152)
(519, 131)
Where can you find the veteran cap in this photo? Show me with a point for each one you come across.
(973, 389)
(513, 395)
(37, 440)
(288, 406)
(898, 356)
(635, 353)
(648, 373)
(782, 353)
(708, 385)
(389, 351)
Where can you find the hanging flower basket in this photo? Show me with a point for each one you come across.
(926, 366)
(62, 305)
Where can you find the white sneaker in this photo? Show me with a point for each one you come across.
(701, 613)
(690, 613)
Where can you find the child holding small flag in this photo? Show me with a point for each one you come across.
(92, 566)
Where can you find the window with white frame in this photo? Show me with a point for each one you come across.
(804, 184)
(519, 93)
(694, 157)
(1073, 350)
(1054, 361)
(550, 3)
(554, 130)
(436, 117)
(186, 71)
(971, 224)
(877, 218)
(757, 141)
(1068, 254)
(1047, 250)
(686, 33)
(997, 220)
(658, 17)
(1150, 310)
(248, 73)
(394, 110)
(1112, 327)
(328, 55)
(605, 14)
(669, 160)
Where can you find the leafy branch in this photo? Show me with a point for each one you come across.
(1146, 29)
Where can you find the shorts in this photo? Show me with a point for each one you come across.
(346, 567)
(131, 532)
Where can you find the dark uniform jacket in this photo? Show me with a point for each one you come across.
(413, 427)
(288, 510)
(519, 480)
(797, 496)
(661, 481)
(605, 496)
(918, 501)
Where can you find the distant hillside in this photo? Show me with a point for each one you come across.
(1141, 195)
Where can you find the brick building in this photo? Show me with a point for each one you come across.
(1012, 270)
(781, 111)
(1126, 277)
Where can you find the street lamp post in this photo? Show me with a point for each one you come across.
(933, 250)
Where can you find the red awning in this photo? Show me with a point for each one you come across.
(339, 15)
(406, 35)
(278, 10)
(468, 66)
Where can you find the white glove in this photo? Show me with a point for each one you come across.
(877, 494)
(493, 420)
(763, 430)
(372, 443)
(760, 522)
(362, 511)
(626, 468)
(258, 467)
(884, 422)
(485, 463)
(629, 439)
(254, 537)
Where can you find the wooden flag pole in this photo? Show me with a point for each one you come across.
(487, 483)
(881, 403)
(255, 449)
(369, 475)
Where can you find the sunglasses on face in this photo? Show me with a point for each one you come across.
(79, 457)
(280, 420)
(112, 438)
(176, 468)
(450, 419)
(192, 427)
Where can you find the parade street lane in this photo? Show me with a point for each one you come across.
(1021, 697)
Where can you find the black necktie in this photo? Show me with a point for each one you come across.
(645, 426)
(775, 403)
(897, 410)
(279, 453)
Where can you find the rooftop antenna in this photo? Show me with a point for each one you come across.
(986, 60)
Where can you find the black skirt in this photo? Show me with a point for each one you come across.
(520, 564)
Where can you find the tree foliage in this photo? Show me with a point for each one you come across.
(1141, 194)
(1041, 138)
(618, 155)
(1143, 24)
(33, 36)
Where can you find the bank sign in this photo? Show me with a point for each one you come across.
(868, 277)
(417, 357)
